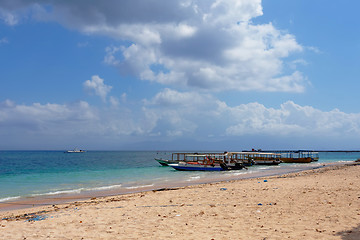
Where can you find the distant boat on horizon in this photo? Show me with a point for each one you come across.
(75, 151)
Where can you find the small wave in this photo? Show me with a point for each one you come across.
(264, 168)
(59, 192)
(104, 188)
(76, 191)
(9, 199)
(193, 178)
(142, 186)
(239, 173)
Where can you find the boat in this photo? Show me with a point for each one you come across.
(264, 158)
(299, 157)
(175, 158)
(206, 162)
(255, 158)
(196, 167)
(180, 157)
(75, 151)
(165, 162)
(195, 162)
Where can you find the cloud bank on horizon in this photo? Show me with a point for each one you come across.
(194, 49)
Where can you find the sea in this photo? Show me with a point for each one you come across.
(34, 175)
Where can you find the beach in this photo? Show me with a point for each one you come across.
(322, 203)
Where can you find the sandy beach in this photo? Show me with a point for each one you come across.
(315, 204)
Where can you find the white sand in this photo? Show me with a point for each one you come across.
(316, 204)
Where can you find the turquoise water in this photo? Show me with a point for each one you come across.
(42, 173)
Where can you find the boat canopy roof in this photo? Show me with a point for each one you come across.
(255, 153)
(196, 155)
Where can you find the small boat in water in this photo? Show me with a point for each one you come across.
(299, 157)
(180, 157)
(256, 158)
(196, 167)
(175, 158)
(207, 162)
(75, 151)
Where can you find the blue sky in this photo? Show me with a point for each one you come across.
(179, 75)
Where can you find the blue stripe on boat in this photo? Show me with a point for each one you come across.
(195, 168)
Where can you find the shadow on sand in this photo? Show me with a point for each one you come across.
(353, 234)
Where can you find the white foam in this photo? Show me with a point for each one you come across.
(193, 178)
(142, 186)
(59, 192)
(9, 199)
(105, 188)
(78, 191)
(239, 173)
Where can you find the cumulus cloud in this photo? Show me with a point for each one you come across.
(97, 85)
(60, 121)
(203, 44)
(39, 118)
(209, 116)
(291, 120)
(175, 115)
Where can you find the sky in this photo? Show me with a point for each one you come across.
(179, 75)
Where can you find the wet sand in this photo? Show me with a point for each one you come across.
(321, 203)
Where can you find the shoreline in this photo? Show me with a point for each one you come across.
(62, 198)
(322, 203)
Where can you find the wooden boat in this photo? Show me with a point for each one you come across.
(165, 162)
(255, 158)
(299, 157)
(182, 157)
(296, 160)
(207, 162)
(175, 158)
(196, 167)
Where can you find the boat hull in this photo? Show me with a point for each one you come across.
(165, 162)
(196, 167)
(296, 160)
(270, 162)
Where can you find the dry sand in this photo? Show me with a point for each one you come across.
(316, 204)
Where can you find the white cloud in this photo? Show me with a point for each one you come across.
(207, 116)
(173, 115)
(56, 122)
(224, 11)
(179, 113)
(40, 118)
(8, 18)
(172, 98)
(291, 120)
(204, 44)
(97, 85)
(110, 57)
(114, 101)
(199, 46)
(314, 49)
